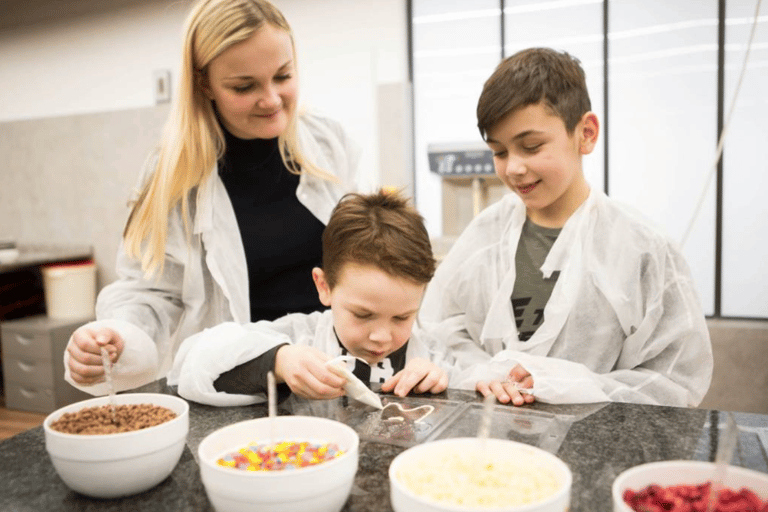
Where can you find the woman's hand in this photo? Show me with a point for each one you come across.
(305, 372)
(85, 363)
(419, 375)
(508, 390)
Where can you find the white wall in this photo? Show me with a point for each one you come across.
(105, 62)
(90, 64)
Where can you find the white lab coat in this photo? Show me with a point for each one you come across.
(623, 322)
(206, 283)
(203, 357)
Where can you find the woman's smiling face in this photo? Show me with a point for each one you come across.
(254, 85)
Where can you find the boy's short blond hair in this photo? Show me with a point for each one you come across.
(532, 76)
(382, 230)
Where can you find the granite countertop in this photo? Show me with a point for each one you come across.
(597, 441)
(34, 255)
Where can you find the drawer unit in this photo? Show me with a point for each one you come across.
(25, 343)
(33, 363)
(30, 398)
(34, 372)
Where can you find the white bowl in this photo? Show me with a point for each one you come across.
(324, 487)
(405, 500)
(674, 472)
(122, 464)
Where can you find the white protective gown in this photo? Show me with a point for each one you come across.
(623, 322)
(202, 358)
(205, 283)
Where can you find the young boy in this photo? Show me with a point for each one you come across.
(557, 287)
(377, 259)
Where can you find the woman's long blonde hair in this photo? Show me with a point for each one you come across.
(192, 139)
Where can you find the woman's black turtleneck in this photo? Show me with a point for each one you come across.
(282, 239)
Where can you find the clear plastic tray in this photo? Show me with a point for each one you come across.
(537, 428)
(403, 421)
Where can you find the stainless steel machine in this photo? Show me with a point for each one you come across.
(469, 181)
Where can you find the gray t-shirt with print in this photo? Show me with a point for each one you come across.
(532, 291)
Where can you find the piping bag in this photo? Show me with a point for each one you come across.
(354, 386)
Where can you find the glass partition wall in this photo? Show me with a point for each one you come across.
(663, 99)
(661, 76)
(745, 169)
(456, 46)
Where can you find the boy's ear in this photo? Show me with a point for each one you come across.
(589, 129)
(323, 290)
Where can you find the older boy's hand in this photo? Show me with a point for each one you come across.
(85, 363)
(419, 375)
(508, 390)
(305, 372)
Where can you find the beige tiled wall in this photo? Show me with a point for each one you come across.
(740, 377)
(65, 180)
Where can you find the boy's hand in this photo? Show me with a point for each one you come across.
(508, 390)
(418, 375)
(85, 364)
(305, 372)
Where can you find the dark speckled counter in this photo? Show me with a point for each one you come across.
(597, 441)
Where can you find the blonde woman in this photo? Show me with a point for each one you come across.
(228, 222)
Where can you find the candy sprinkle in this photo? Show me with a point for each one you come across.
(280, 456)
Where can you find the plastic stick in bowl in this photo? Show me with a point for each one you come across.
(110, 384)
(722, 459)
(272, 406)
(485, 422)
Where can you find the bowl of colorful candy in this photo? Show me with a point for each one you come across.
(686, 486)
(279, 464)
(109, 449)
(471, 474)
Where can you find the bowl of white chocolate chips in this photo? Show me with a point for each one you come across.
(473, 474)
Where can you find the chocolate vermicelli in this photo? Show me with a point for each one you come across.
(98, 420)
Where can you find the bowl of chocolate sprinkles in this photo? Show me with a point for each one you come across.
(112, 419)
(109, 449)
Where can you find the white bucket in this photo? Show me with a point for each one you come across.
(70, 289)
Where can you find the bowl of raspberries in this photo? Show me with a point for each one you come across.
(688, 486)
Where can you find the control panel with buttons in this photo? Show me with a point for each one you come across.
(460, 159)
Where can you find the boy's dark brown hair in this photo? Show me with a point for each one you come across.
(530, 77)
(380, 229)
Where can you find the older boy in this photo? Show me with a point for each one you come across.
(556, 286)
(377, 259)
